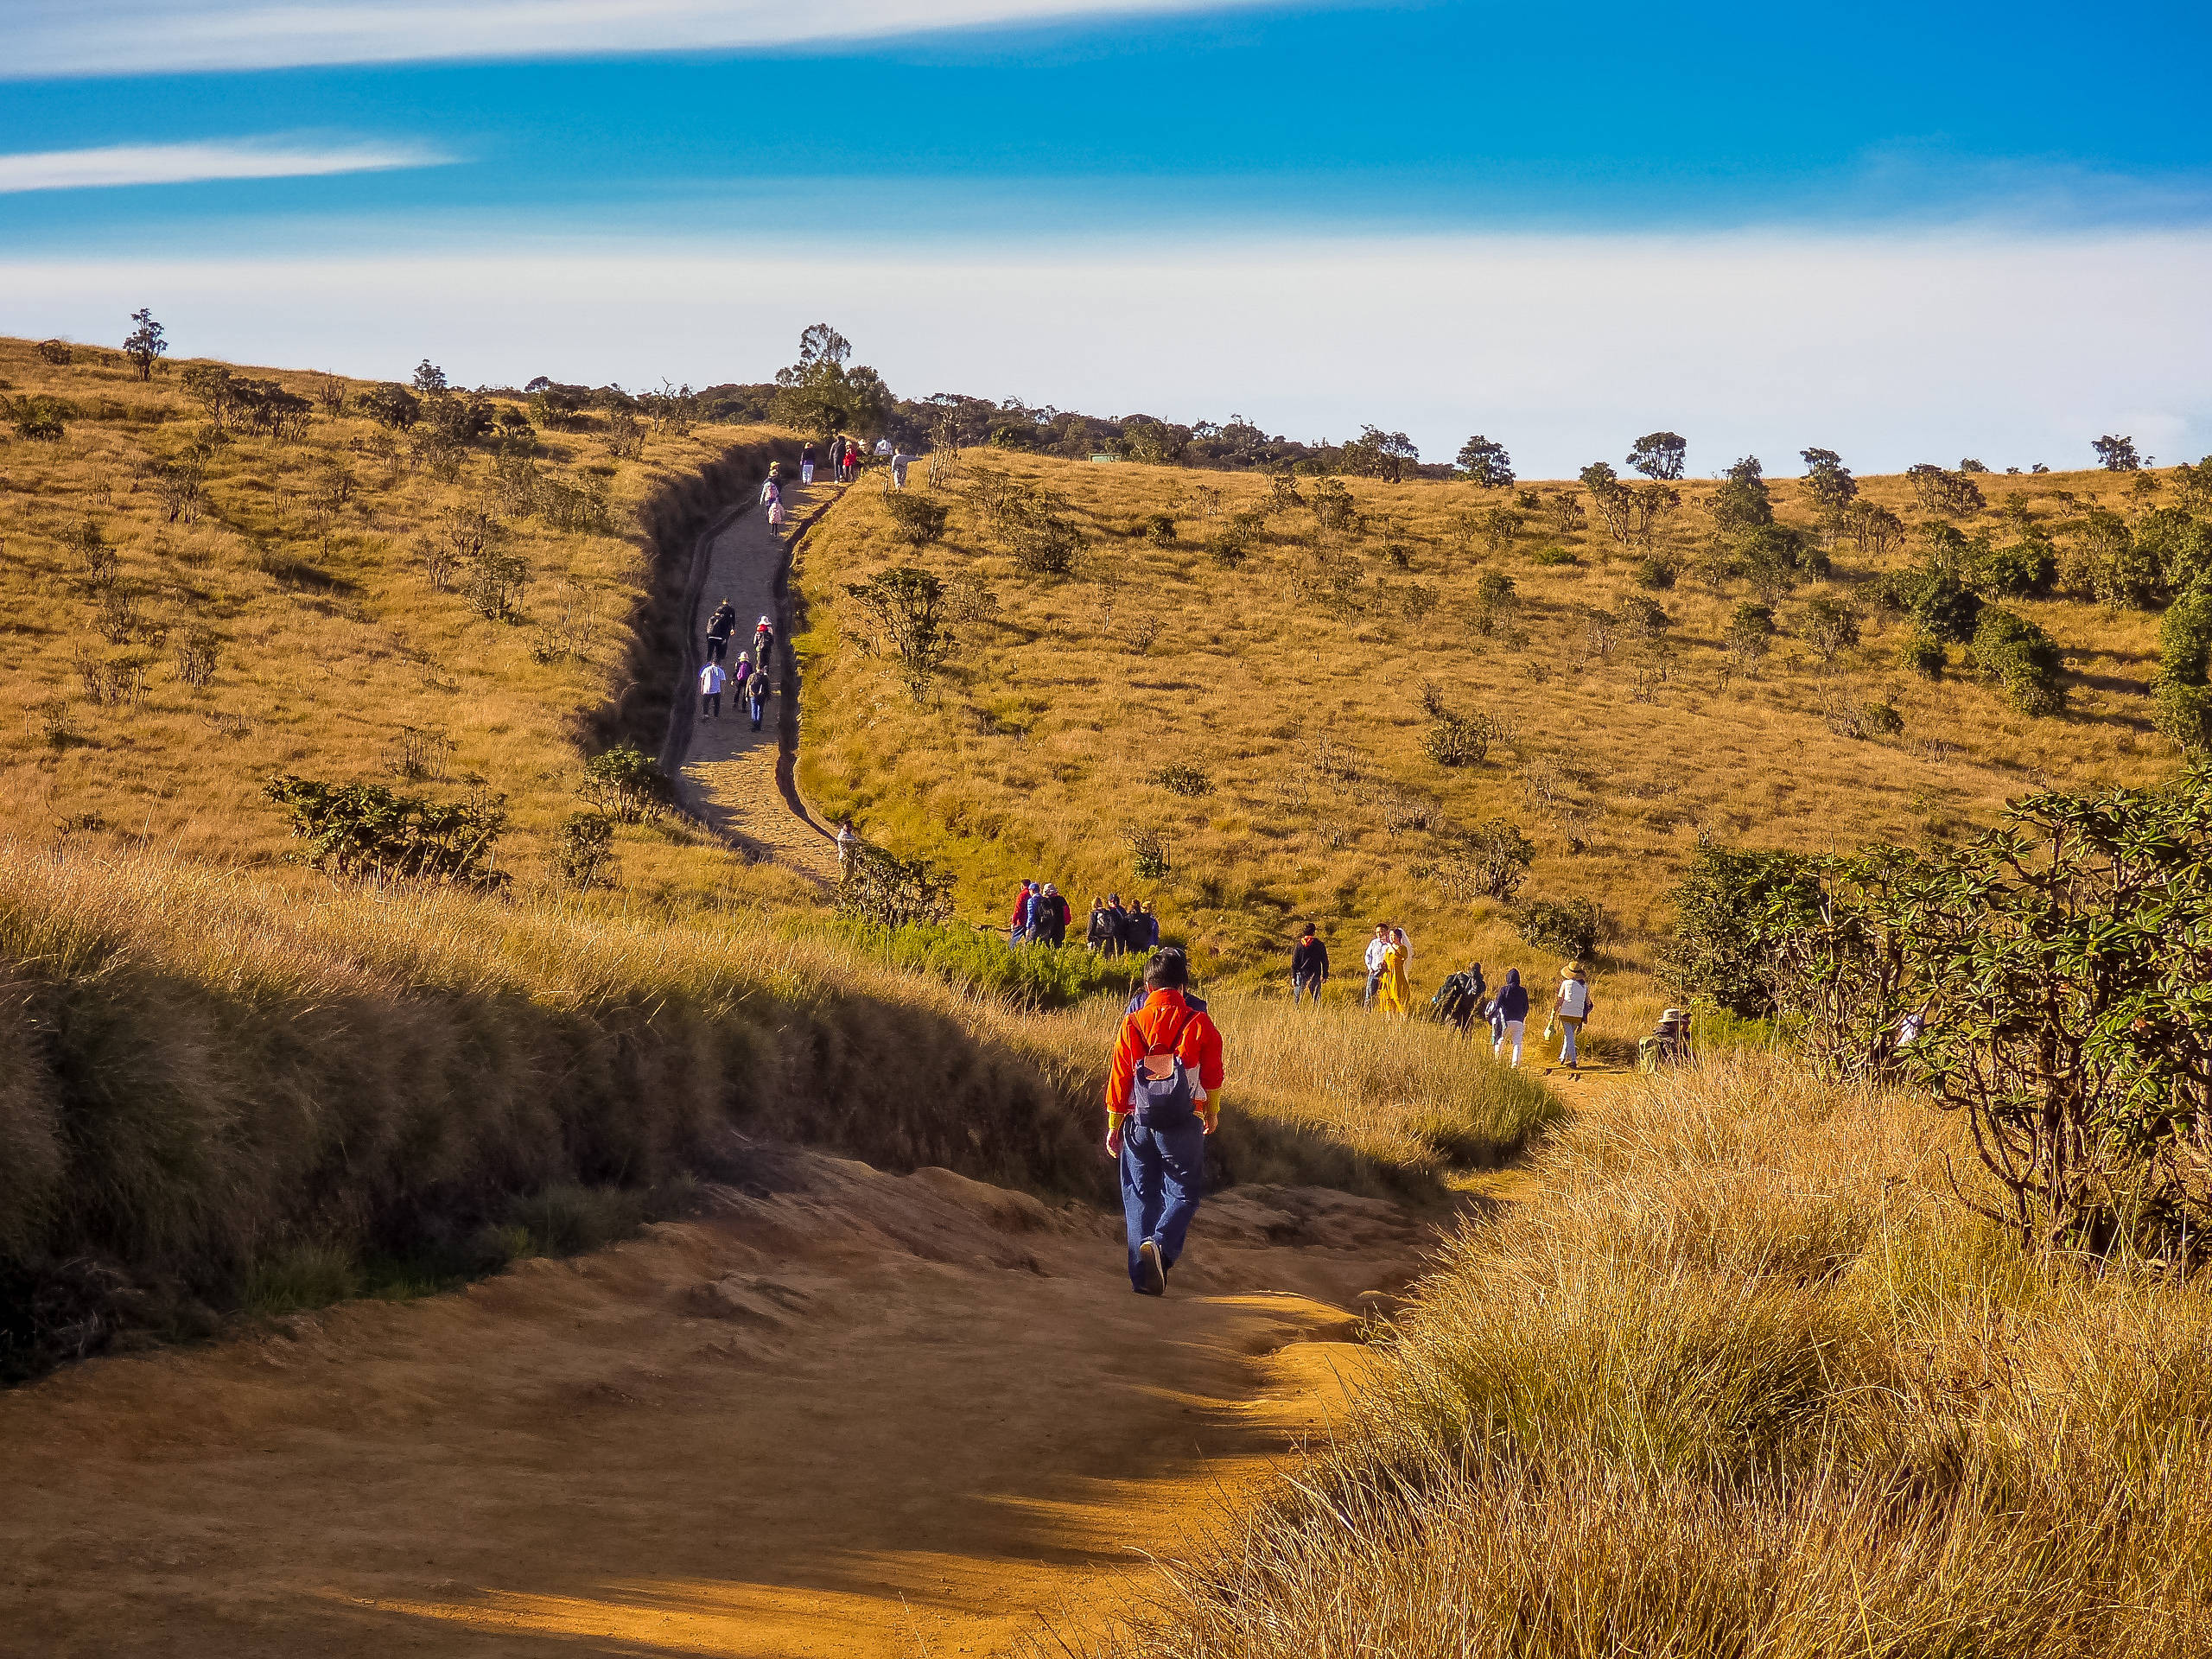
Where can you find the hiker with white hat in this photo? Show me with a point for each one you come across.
(1569, 1009)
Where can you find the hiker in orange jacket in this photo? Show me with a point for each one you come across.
(1163, 1099)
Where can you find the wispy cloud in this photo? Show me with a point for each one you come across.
(57, 38)
(191, 163)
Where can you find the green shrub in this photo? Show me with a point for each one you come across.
(1186, 780)
(1658, 574)
(1923, 655)
(1728, 906)
(41, 419)
(2023, 658)
(916, 519)
(2184, 714)
(1945, 607)
(1751, 631)
(1551, 556)
(1456, 740)
(2179, 544)
(585, 849)
(626, 783)
(1566, 927)
(2025, 570)
(883, 890)
(365, 830)
(2185, 640)
(1880, 720)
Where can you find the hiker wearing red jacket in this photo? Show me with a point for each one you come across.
(1163, 1099)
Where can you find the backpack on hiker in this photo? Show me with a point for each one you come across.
(1160, 1092)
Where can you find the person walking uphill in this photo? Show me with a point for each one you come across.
(719, 626)
(1508, 1012)
(711, 681)
(1163, 1099)
(1571, 1008)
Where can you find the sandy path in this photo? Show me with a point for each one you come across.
(729, 773)
(856, 1414)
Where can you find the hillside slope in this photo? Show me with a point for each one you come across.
(197, 597)
(1253, 687)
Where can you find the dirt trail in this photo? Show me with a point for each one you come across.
(845, 1412)
(729, 774)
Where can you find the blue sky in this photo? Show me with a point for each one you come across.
(1921, 232)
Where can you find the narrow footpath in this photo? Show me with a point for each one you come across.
(736, 778)
(844, 1414)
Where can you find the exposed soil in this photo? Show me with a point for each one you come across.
(844, 1413)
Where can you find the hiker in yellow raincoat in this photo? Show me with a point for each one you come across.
(1393, 994)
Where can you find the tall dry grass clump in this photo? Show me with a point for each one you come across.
(211, 1072)
(1740, 1382)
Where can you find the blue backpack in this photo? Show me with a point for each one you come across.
(1160, 1096)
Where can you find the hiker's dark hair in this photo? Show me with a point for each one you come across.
(1168, 970)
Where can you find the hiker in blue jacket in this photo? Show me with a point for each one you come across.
(1509, 1015)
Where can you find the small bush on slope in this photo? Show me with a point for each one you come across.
(1738, 1383)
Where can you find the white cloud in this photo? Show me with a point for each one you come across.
(65, 37)
(1890, 349)
(189, 163)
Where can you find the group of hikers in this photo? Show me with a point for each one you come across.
(749, 674)
(1042, 916)
(1462, 997)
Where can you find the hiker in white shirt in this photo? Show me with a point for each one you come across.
(1376, 947)
(711, 681)
(1571, 1008)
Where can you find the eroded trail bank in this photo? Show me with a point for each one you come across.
(844, 1413)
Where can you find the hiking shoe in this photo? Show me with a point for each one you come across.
(1150, 1269)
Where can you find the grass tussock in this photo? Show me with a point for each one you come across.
(1740, 1383)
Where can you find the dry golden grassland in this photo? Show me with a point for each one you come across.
(1294, 682)
(1741, 1380)
(336, 653)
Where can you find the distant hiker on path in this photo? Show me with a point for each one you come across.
(1163, 1099)
(756, 694)
(1309, 967)
(711, 681)
(1509, 1015)
(899, 459)
(719, 626)
(764, 641)
(1099, 935)
(1376, 947)
(852, 461)
(806, 463)
(1056, 916)
(1570, 1008)
(775, 505)
(848, 841)
(1018, 925)
(1669, 1043)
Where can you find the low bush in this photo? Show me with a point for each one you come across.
(1565, 927)
(2023, 658)
(980, 960)
(1922, 654)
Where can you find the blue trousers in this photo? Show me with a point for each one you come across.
(1163, 1178)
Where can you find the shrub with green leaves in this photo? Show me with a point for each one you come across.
(917, 520)
(2178, 545)
(1730, 906)
(1924, 655)
(1750, 632)
(2024, 569)
(585, 851)
(1829, 624)
(2023, 658)
(627, 784)
(1658, 574)
(1945, 607)
(883, 890)
(1566, 927)
(365, 831)
(2053, 981)
(1186, 780)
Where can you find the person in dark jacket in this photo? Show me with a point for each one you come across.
(1057, 916)
(764, 643)
(1309, 967)
(1117, 925)
(1458, 999)
(1509, 1015)
(719, 626)
(1099, 934)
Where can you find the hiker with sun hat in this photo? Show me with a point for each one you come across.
(1163, 1099)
